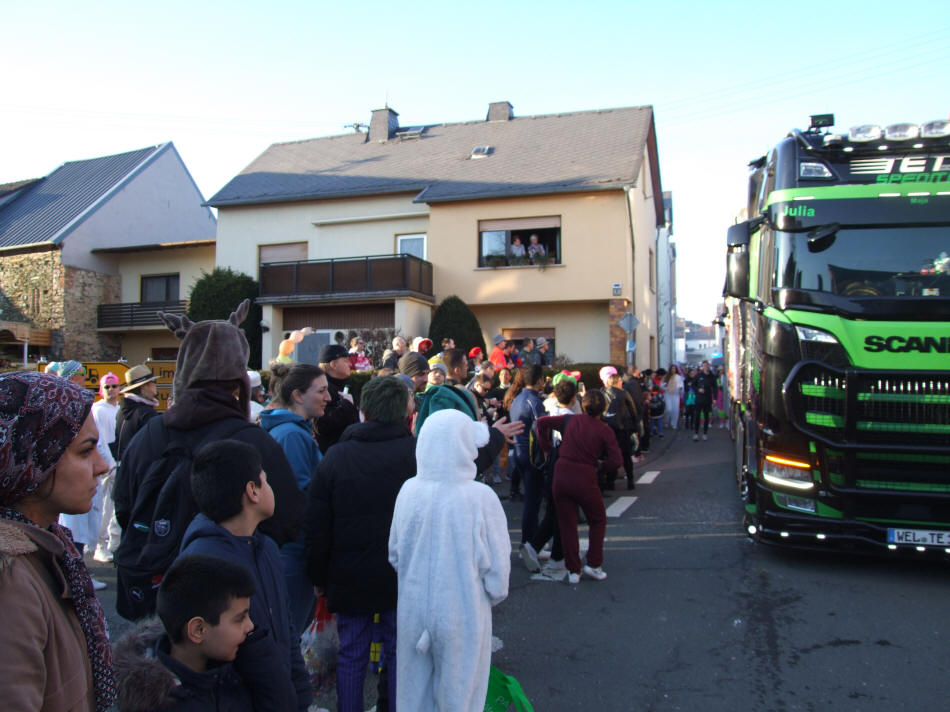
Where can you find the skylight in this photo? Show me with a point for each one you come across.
(481, 152)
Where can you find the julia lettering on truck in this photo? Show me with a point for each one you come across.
(837, 316)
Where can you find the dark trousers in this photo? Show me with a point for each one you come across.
(570, 491)
(645, 438)
(623, 442)
(533, 493)
(356, 636)
(549, 526)
(704, 410)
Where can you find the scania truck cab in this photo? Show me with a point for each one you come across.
(838, 339)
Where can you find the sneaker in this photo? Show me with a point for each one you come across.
(496, 479)
(554, 567)
(98, 585)
(696, 437)
(544, 555)
(573, 579)
(704, 437)
(597, 573)
(102, 556)
(530, 558)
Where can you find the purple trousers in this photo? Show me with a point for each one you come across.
(357, 633)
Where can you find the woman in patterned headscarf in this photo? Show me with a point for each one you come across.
(54, 645)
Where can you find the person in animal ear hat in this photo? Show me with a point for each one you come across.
(211, 393)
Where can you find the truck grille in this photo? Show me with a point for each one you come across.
(884, 410)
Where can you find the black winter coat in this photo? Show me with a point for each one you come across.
(338, 415)
(352, 497)
(132, 416)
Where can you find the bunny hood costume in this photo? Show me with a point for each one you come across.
(450, 547)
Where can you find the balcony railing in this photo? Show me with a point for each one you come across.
(376, 274)
(129, 314)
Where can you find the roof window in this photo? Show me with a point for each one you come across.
(481, 152)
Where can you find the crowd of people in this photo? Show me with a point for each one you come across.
(277, 497)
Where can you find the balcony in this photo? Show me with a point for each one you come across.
(129, 315)
(376, 276)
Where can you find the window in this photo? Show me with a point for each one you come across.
(519, 241)
(164, 353)
(412, 244)
(287, 252)
(160, 288)
(652, 272)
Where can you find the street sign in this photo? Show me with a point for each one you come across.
(629, 322)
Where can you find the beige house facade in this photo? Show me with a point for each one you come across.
(374, 230)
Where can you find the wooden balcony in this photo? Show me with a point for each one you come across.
(375, 276)
(128, 315)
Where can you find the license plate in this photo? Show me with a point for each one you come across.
(918, 537)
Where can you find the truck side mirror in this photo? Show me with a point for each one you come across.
(737, 261)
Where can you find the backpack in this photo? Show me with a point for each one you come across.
(162, 510)
(618, 415)
(538, 459)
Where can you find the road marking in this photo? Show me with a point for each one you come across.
(620, 505)
(647, 477)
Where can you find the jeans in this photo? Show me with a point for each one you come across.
(357, 633)
(293, 557)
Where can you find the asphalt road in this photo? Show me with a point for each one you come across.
(693, 616)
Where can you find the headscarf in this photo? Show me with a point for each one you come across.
(106, 380)
(40, 415)
(68, 369)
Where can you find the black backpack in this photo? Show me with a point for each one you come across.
(162, 510)
(540, 460)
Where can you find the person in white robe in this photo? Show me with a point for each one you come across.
(450, 546)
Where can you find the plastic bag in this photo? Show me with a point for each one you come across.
(320, 644)
(503, 691)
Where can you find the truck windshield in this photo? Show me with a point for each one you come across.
(867, 262)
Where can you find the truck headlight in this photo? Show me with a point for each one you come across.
(788, 473)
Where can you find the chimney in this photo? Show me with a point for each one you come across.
(383, 125)
(500, 111)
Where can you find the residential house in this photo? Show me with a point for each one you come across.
(372, 229)
(89, 253)
(666, 286)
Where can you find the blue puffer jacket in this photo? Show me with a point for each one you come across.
(295, 436)
(526, 407)
(270, 607)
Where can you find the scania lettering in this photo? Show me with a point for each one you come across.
(837, 315)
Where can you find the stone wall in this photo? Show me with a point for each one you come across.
(84, 292)
(63, 299)
(34, 284)
(618, 337)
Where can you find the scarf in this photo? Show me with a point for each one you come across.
(92, 618)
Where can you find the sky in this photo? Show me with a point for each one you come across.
(224, 80)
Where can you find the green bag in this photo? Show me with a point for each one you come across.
(503, 691)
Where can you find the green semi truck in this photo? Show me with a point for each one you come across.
(837, 353)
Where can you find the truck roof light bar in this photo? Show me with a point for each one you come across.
(935, 129)
(865, 133)
(902, 132)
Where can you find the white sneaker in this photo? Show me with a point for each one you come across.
(695, 436)
(530, 558)
(98, 585)
(544, 555)
(597, 573)
(102, 556)
(573, 579)
(554, 567)
(704, 437)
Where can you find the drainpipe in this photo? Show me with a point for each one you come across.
(631, 358)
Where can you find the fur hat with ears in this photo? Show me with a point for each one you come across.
(211, 350)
